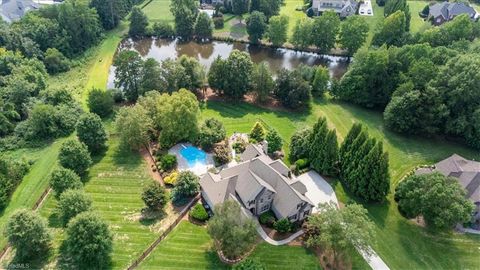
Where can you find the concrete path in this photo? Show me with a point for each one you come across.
(375, 262)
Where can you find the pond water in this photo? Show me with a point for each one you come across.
(205, 53)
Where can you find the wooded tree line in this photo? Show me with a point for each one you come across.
(423, 88)
(360, 162)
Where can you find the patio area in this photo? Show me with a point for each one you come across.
(192, 158)
(318, 190)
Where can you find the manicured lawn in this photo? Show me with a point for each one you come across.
(189, 246)
(416, 22)
(33, 184)
(400, 243)
(158, 10)
(115, 184)
(289, 10)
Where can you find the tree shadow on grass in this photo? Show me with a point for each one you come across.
(213, 262)
(54, 220)
(126, 157)
(150, 217)
(65, 262)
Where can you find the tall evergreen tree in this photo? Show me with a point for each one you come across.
(330, 153)
(348, 141)
(138, 23)
(111, 12)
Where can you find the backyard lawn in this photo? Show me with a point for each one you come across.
(158, 10)
(115, 185)
(401, 244)
(416, 22)
(189, 246)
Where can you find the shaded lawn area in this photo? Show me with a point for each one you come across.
(158, 10)
(401, 244)
(373, 21)
(115, 184)
(416, 22)
(33, 184)
(189, 246)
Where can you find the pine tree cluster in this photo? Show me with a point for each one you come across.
(364, 165)
(323, 154)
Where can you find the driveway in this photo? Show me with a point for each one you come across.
(318, 190)
(366, 8)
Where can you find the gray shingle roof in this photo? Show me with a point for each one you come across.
(13, 10)
(449, 10)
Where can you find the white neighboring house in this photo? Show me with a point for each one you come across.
(343, 8)
(260, 184)
(13, 10)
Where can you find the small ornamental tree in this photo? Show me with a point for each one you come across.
(155, 196)
(234, 233)
(282, 225)
(27, 232)
(91, 132)
(274, 140)
(63, 179)
(74, 155)
(257, 134)
(187, 186)
(133, 126)
(439, 199)
(88, 241)
(72, 203)
(199, 213)
(221, 154)
(212, 131)
(100, 102)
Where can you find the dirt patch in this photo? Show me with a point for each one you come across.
(152, 169)
(326, 260)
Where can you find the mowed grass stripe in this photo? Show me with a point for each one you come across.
(189, 246)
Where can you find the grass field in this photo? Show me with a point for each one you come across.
(189, 246)
(400, 243)
(158, 10)
(416, 22)
(115, 184)
(33, 184)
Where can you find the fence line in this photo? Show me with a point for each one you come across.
(35, 207)
(164, 234)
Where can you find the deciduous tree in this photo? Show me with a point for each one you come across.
(71, 203)
(353, 33)
(74, 155)
(277, 30)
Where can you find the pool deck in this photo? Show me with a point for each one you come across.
(199, 168)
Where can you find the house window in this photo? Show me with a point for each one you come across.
(265, 208)
(306, 213)
(299, 205)
(261, 200)
(292, 217)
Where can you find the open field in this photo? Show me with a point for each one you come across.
(159, 10)
(190, 247)
(401, 244)
(416, 22)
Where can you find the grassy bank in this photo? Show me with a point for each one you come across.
(399, 242)
(189, 246)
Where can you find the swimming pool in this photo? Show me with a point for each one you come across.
(194, 156)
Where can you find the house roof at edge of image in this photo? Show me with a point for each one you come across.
(446, 9)
(13, 10)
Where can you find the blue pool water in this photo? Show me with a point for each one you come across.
(194, 156)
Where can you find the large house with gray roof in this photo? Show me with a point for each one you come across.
(259, 184)
(446, 11)
(342, 8)
(466, 171)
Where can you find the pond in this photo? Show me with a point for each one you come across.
(205, 53)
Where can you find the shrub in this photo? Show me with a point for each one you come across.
(274, 141)
(55, 61)
(11, 174)
(249, 264)
(117, 94)
(168, 162)
(302, 163)
(221, 154)
(267, 218)
(100, 102)
(171, 179)
(88, 241)
(163, 30)
(74, 155)
(199, 213)
(218, 22)
(155, 196)
(187, 186)
(257, 133)
(283, 225)
(239, 146)
(63, 179)
(72, 203)
(91, 132)
(212, 131)
(27, 232)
